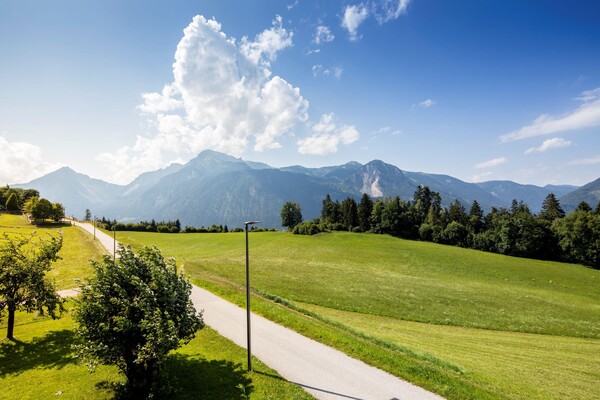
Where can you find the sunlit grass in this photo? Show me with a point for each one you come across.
(456, 321)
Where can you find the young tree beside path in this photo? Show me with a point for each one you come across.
(24, 262)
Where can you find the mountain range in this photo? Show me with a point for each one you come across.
(215, 188)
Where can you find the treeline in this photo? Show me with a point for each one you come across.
(142, 226)
(13, 199)
(30, 202)
(516, 231)
(165, 227)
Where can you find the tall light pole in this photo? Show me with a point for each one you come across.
(248, 293)
(114, 243)
(94, 227)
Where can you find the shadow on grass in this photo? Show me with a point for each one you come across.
(50, 351)
(195, 378)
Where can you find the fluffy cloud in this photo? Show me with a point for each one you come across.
(21, 162)
(554, 143)
(491, 163)
(586, 161)
(323, 35)
(222, 97)
(268, 43)
(354, 16)
(327, 136)
(587, 115)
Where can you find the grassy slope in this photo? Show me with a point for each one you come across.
(369, 286)
(39, 363)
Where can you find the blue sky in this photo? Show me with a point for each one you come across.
(477, 90)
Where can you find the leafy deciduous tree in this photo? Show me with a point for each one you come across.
(24, 262)
(132, 313)
(291, 215)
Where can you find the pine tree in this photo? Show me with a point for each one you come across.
(365, 207)
(551, 209)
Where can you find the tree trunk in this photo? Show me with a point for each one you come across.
(11, 321)
(140, 379)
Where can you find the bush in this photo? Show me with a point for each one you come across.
(238, 229)
(306, 228)
(162, 229)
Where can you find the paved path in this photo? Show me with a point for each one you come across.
(324, 372)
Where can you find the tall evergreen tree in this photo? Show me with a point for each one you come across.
(475, 218)
(365, 208)
(551, 209)
(349, 213)
(584, 206)
(12, 203)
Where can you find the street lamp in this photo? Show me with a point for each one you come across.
(94, 227)
(248, 293)
(114, 243)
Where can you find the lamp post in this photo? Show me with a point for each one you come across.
(114, 243)
(248, 294)
(94, 227)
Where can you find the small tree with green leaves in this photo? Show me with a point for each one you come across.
(132, 312)
(24, 262)
(291, 215)
(88, 215)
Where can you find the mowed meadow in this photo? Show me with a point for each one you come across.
(463, 323)
(40, 363)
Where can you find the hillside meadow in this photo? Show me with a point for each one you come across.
(464, 323)
(40, 362)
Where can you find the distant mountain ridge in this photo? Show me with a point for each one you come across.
(215, 188)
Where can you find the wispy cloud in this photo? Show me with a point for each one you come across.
(382, 10)
(387, 10)
(554, 143)
(491, 163)
(292, 5)
(319, 69)
(323, 35)
(480, 177)
(585, 116)
(586, 161)
(354, 16)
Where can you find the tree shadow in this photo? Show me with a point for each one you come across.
(50, 351)
(196, 378)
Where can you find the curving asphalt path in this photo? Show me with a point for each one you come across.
(324, 372)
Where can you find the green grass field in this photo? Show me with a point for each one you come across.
(39, 363)
(78, 248)
(464, 323)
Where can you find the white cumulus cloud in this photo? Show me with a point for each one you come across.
(354, 16)
(323, 35)
(491, 163)
(554, 143)
(587, 115)
(20, 162)
(223, 96)
(327, 136)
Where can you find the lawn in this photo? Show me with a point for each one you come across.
(40, 363)
(77, 251)
(464, 322)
